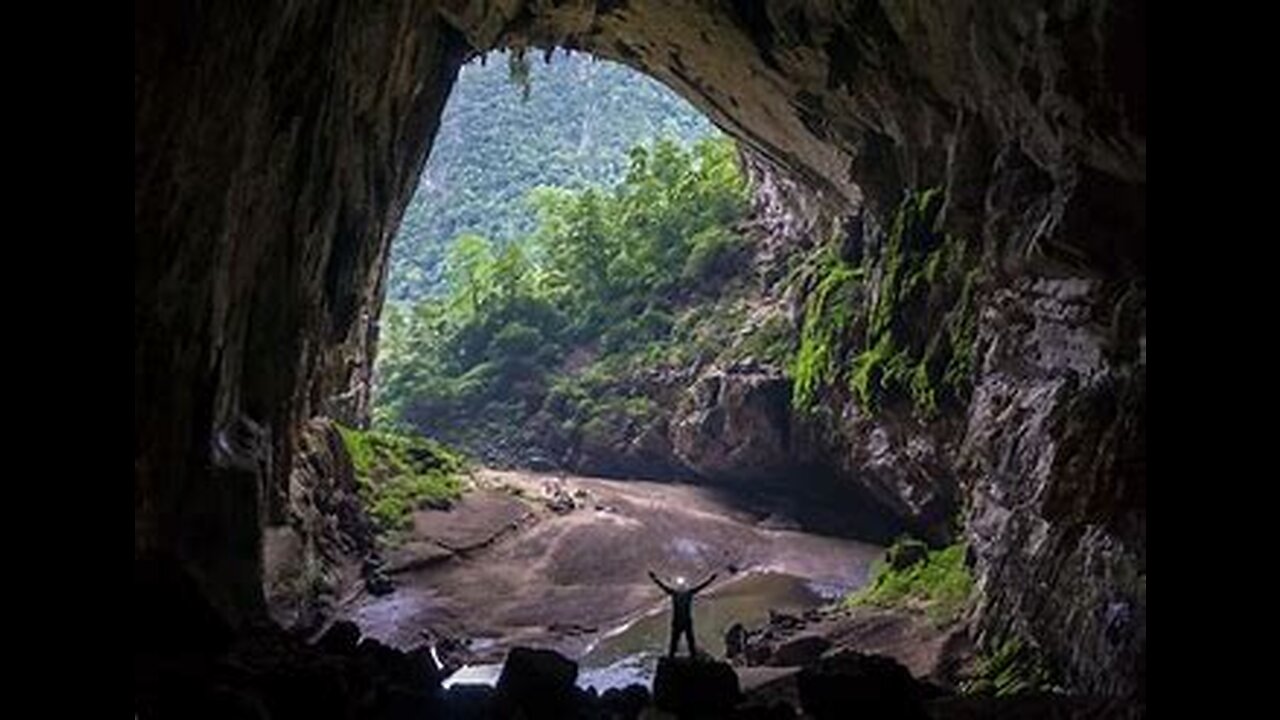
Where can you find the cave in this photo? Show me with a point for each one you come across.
(277, 144)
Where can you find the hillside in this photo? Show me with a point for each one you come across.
(573, 129)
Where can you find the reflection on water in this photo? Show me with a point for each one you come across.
(630, 654)
(630, 670)
(747, 601)
(474, 675)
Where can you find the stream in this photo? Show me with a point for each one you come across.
(629, 653)
(576, 581)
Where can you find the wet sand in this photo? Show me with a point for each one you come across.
(513, 571)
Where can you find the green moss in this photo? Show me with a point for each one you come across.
(962, 329)
(771, 341)
(1012, 668)
(881, 368)
(919, 319)
(829, 312)
(907, 352)
(398, 474)
(360, 448)
(923, 393)
(939, 584)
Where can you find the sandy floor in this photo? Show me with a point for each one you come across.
(504, 566)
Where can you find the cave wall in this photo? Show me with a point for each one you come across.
(1054, 466)
(275, 146)
(277, 143)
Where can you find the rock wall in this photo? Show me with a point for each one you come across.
(1043, 461)
(734, 423)
(276, 144)
(1054, 460)
(317, 556)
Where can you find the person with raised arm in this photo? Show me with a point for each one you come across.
(682, 610)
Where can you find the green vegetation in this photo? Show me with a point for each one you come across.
(611, 284)
(514, 123)
(771, 341)
(917, 324)
(398, 474)
(925, 272)
(830, 309)
(552, 273)
(1013, 668)
(519, 71)
(937, 582)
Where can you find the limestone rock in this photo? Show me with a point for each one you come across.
(800, 650)
(276, 145)
(1055, 464)
(694, 687)
(870, 685)
(537, 683)
(734, 424)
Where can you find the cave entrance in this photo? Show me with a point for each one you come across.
(575, 238)
(577, 304)
(276, 145)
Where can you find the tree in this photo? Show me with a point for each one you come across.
(469, 270)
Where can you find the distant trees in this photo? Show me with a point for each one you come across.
(604, 267)
(573, 131)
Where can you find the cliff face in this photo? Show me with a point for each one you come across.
(316, 555)
(276, 145)
(1054, 460)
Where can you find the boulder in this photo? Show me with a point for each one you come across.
(851, 683)
(624, 703)
(537, 683)
(735, 641)
(905, 553)
(693, 688)
(734, 423)
(468, 702)
(379, 584)
(802, 650)
(413, 670)
(771, 711)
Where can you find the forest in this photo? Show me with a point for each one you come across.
(610, 283)
(572, 233)
(511, 126)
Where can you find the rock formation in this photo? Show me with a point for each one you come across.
(276, 145)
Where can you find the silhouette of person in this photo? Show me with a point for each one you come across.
(682, 610)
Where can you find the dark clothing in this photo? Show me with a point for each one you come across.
(679, 628)
(682, 613)
(682, 607)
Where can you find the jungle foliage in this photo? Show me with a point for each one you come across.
(627, 277)
(513, 123)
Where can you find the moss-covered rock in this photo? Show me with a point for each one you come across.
(921, 324)
(900, 325)
(938, 583)
(398, 474)
(1012, 668)
(830, 311)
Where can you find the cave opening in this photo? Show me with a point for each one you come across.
(583, 374)
(972, 351)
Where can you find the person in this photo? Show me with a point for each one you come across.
(682, 610)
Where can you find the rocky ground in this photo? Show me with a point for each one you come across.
(546, 561)
(556, 561)
(940, 654)
(277, 675)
